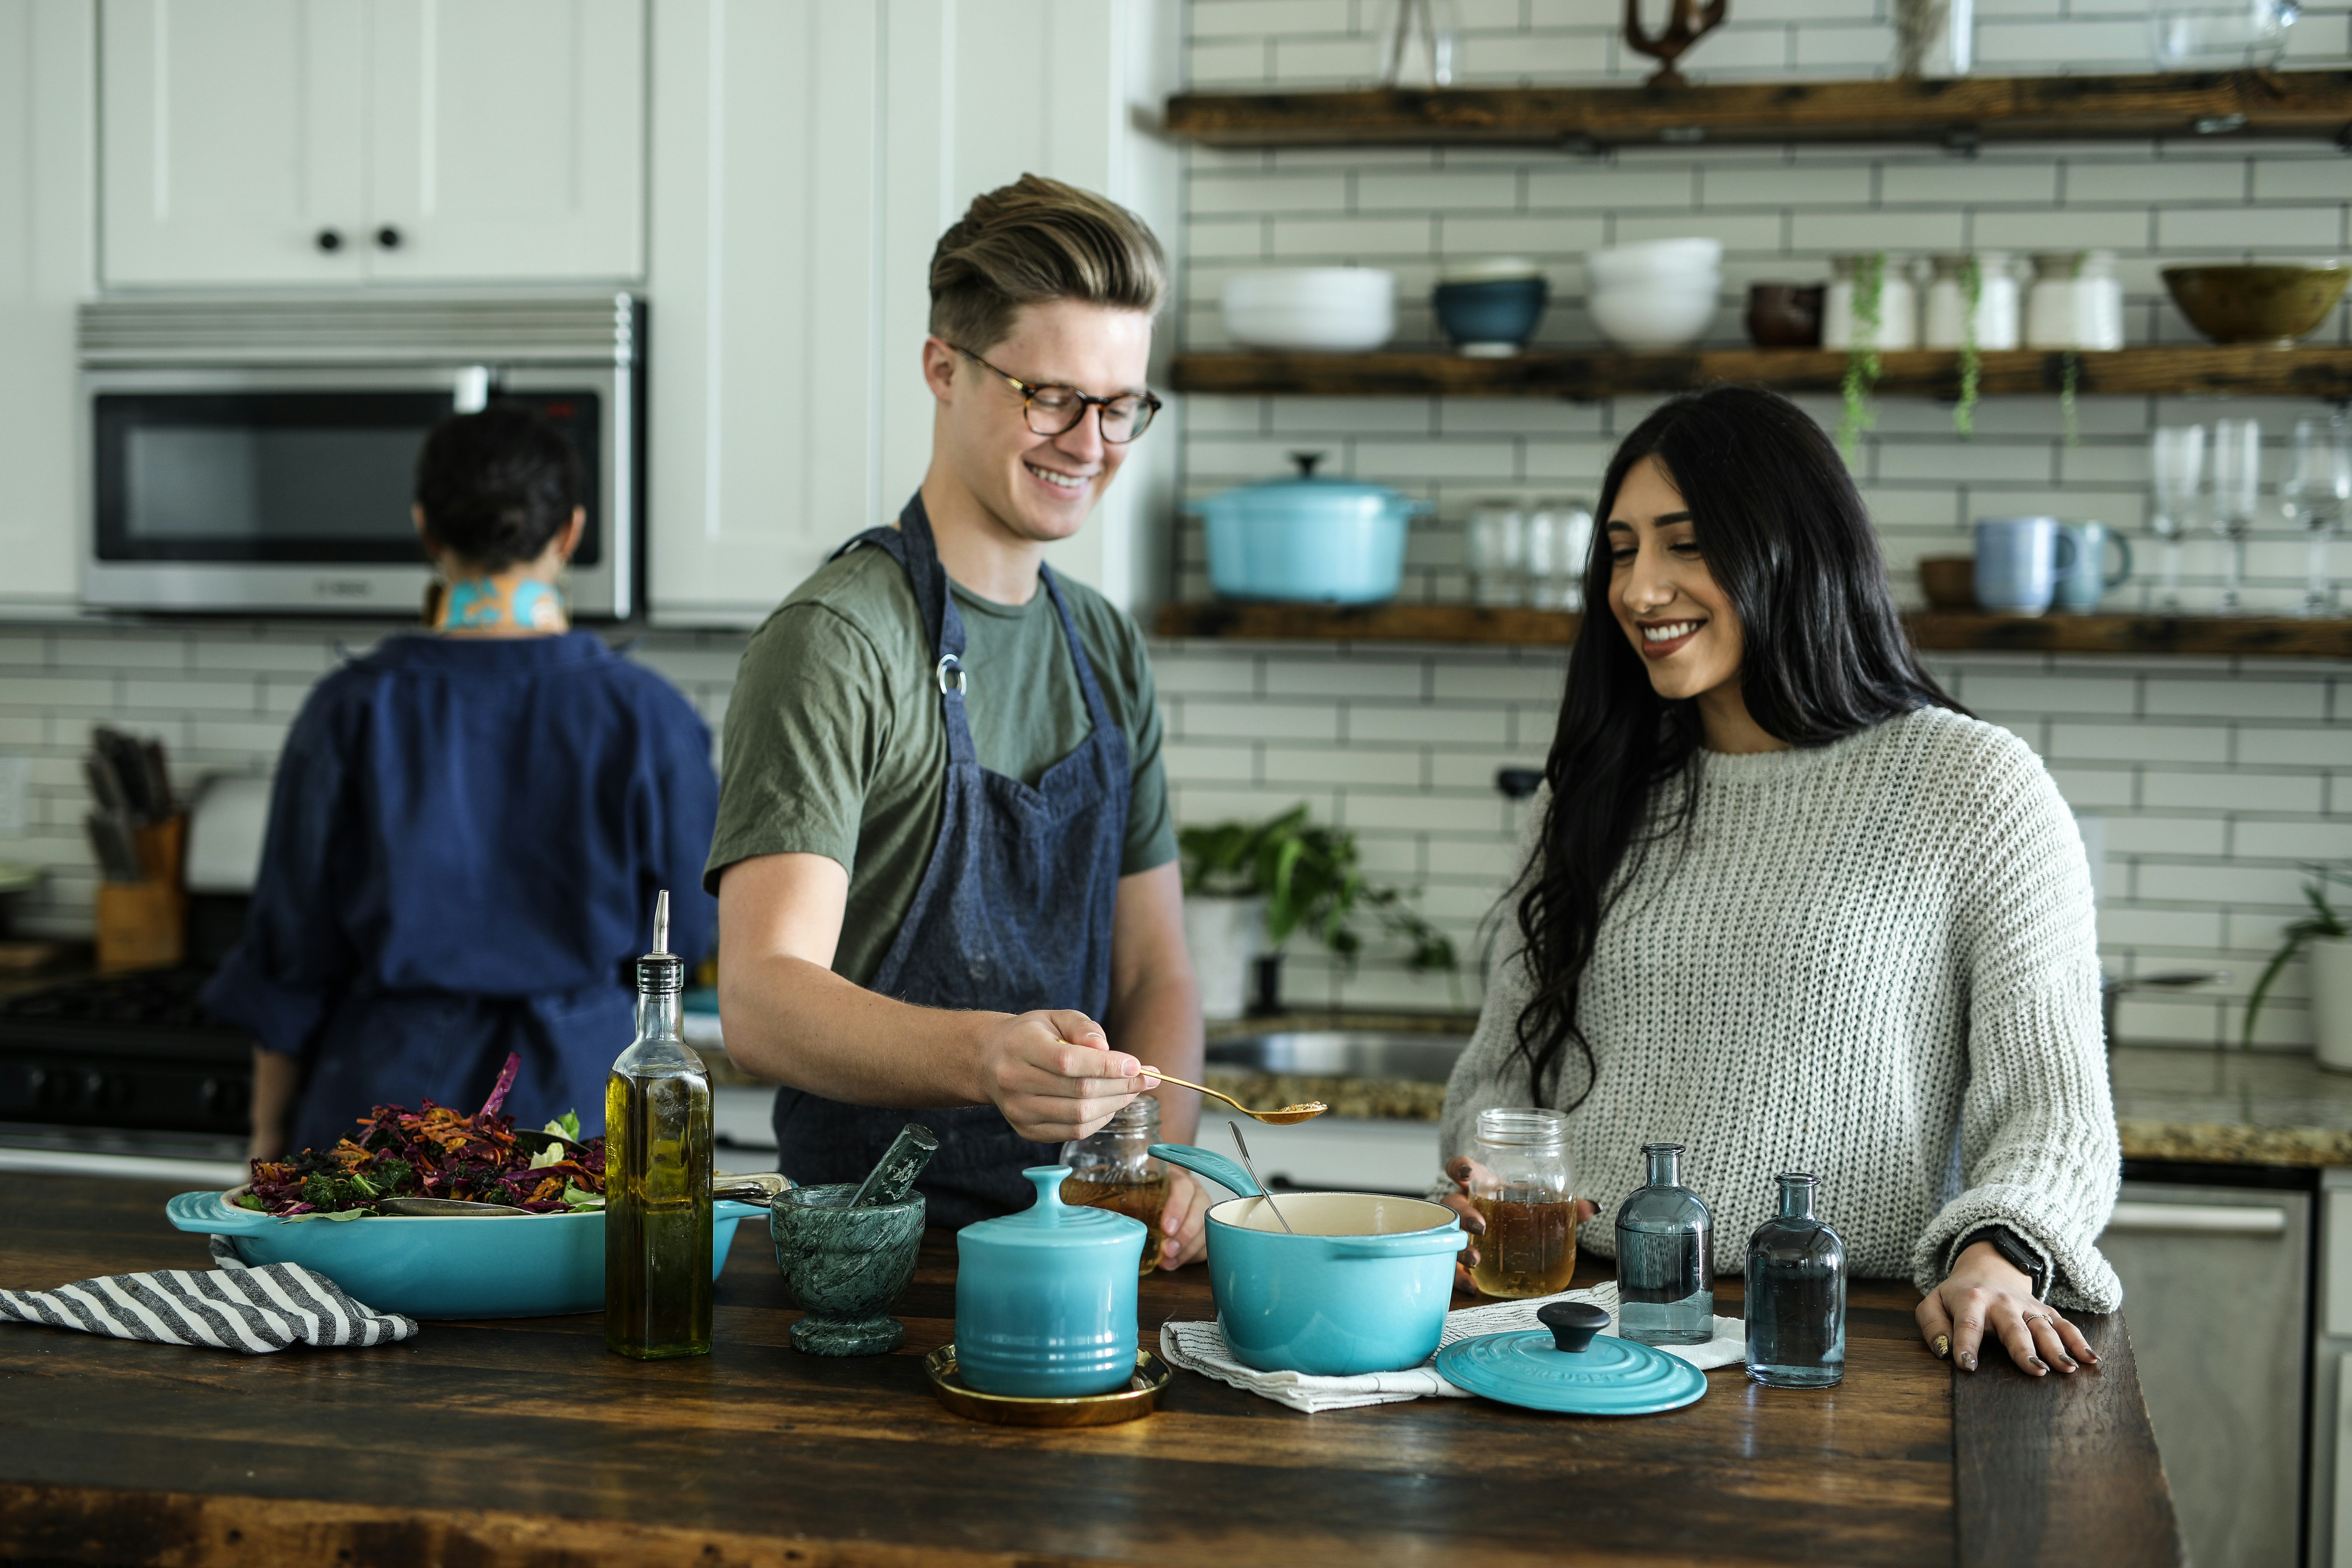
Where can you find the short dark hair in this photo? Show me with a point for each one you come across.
(496, 486)
(1037, 240)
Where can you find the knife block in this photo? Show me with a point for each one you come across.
(145, 924)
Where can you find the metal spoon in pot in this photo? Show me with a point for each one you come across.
(1263, 1192)
(1283, 1118)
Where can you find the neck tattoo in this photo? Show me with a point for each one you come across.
(508, 599)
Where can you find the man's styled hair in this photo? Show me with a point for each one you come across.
(1036, 240)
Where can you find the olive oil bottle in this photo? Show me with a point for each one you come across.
(657, 1163)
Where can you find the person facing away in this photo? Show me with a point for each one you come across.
(944, 860)
(467, 829)
(1784, 902)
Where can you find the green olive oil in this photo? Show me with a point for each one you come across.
(657, 1165)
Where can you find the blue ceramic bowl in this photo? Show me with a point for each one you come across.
(1364, 1286)
(1491, 316)
(537, 1265)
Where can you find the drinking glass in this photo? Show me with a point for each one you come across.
(2177, 461)
(1495, 548)
(2317, 496)
(2237, 485)
(1559, 544)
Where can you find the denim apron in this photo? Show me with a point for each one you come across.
(1013, 914)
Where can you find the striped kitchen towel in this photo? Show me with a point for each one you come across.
(232, 1308)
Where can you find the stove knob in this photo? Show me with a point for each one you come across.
(93, 1088)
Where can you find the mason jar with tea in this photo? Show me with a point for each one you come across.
(1523, 1192)
(1114, 1170)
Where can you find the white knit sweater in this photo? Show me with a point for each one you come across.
(1873, 961)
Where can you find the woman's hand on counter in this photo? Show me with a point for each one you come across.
(1183, 1225)
(1054, 1075)
(1462, 1171)
(1985, 1291)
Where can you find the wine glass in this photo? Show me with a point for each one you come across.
(2237, 485)
(2177, 461)
(2317, 496)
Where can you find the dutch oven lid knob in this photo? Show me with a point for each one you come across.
(1572, 1324)
(1305, 461)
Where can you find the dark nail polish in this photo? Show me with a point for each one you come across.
(2091, 1356)
(1968, 1361)
(2038, 1364)
(2068, 1364)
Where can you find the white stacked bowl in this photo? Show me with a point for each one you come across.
(1658, 294)
(1334, 310)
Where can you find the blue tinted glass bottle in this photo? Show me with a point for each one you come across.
(1665, 1239)
(1796, 1295)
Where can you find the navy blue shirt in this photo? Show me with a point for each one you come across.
(465, 837)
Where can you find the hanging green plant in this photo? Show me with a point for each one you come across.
(1862, 355)
(2070, 377)
(1964, 413)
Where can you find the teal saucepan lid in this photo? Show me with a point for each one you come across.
(1562, 1366)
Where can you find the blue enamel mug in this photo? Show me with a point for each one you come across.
(1362, 1287)
(2081, 589)
(2019, 563)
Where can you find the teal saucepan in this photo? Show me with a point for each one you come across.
(1362, 1287)
(529, 1265)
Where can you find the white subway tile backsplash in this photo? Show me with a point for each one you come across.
(2163, 789)
(2233, 229)
(2169, 181)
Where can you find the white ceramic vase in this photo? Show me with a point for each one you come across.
(1225, 934)
(2331, 1001)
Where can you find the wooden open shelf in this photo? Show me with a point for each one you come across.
(2255, 636)
(2304, 371)
(2303, 104)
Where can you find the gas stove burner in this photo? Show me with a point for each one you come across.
(160, 997)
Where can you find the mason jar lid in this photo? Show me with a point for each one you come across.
(1513, 1127)
(1139, 1114)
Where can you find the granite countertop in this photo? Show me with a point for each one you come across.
(2230, 1107)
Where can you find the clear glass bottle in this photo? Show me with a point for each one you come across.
(1665, 1259)
(1523, 1192)
(1796, 1295)
(1114, 1170)
(657, 1164)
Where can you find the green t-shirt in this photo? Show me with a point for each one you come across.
(835, 745)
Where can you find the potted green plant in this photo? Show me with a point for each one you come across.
(2328, 939)
(1250, 887)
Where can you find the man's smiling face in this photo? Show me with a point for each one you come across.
(1037, 488)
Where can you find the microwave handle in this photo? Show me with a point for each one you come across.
(471, 393)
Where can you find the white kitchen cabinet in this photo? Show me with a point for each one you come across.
(303, 142)
(48, 181)
(806, 158)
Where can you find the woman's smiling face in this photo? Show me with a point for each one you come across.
(1663, 594)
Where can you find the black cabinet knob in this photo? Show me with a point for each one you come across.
(329, 240)
(388, 237)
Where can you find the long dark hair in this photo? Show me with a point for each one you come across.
(1788, 541)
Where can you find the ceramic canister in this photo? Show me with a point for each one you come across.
(2020, 561)
(1045, 1298)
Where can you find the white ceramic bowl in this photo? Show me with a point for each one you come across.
(1333, 308)
(1651, 259)
(1657, 316)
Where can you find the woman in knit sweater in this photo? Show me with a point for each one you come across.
(1783, 902)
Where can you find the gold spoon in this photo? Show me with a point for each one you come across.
(1283, 1118)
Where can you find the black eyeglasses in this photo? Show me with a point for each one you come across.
(1057, 410)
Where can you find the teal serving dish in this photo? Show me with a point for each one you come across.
(1362, 1286)
(496, 1265)
(1045, 1298)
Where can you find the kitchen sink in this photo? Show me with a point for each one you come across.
(1343, 1053)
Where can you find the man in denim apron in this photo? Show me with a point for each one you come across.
(946, 871)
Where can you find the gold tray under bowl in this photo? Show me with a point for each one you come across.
(1140, 1397)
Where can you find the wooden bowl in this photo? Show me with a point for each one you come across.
(2256, 304)
(1950, 581)
(1785, 315)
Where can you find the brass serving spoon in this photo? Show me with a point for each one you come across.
(1283, 1118)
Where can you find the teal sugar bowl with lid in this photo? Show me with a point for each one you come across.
(1045, 1298)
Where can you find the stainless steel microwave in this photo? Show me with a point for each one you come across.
(257, 455)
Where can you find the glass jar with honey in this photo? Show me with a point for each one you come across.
(1114, 1170)
(1522, 1189)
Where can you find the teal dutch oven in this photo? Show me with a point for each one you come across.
(470, 1266)
(1362, 1287)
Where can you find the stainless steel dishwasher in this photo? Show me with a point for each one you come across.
(2217, 1292)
